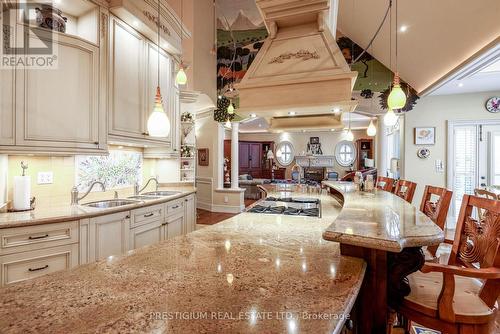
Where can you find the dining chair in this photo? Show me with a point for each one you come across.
(385, 183)
(461, 297)
(435, 205)
(405, 190)
(486, 194)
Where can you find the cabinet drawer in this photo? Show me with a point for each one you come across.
(175, 207)
(147, 215)
(26, 265)
(22, 239)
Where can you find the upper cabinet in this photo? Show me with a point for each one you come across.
(61, 108)
(133, 81)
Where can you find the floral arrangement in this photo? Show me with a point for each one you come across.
(186, 152)
(187, 117)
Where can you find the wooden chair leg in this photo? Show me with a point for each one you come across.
(392, 317)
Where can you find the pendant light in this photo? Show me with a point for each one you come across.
(181, 78)
(228, 124)
(390, 118)
(396, 98)
(230, 108)
(158, 122)
(371, 130)
(349, 136)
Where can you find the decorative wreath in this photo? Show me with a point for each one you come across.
(220, 114)
(411, 97)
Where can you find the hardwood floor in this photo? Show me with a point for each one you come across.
(210, 218)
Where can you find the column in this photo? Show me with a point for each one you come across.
(234, 155)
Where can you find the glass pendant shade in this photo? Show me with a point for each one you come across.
(396, 98)
(158, 122)
(228, 124)
(230, 109)
(181, 78)
(349, 136)
(372, 130)
(390, 118)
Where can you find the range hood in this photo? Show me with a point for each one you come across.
(299, 70)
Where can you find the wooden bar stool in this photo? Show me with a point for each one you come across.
(461, 297)
(405, 190)
(385, 183)
(435, 205)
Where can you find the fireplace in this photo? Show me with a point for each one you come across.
(314, 174)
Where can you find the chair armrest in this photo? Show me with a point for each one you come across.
(483, 273)
(448, 241)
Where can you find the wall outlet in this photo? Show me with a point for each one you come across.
(45, 178)
(226, 199)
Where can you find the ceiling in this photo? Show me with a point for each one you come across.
(434, 37)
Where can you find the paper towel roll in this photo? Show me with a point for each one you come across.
(3, 179)
(22, 193)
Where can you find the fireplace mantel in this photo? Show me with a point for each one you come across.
(305, 161)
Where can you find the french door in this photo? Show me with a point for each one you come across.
(473, 158)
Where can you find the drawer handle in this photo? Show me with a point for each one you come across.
(175, 207)
(38, 237)
(40, 268)
(149, 215)
(127, 217)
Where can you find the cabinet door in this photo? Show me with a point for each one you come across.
(60, 107)
(145, 235)
(244, 155)
(190, 214)
(152, 83)
(174, 226)
(109, 235)
(7, 111)
(126, 81)
(255, 155)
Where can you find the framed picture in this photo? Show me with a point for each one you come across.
(314, 140)
(203, 156)
(425, 136)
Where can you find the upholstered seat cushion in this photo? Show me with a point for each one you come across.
(425, 290)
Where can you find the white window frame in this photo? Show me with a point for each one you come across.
(280, 158)
(338, 147)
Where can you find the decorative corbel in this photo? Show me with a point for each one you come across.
(321, 21)
(273, 29)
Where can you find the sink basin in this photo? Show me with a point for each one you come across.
(162, 193)
(144, 197)
(110, 203)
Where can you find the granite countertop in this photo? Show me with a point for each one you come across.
(252, 273)
(61, 213)
(379, 220)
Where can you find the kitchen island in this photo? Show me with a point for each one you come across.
(388, 233)
(253, 273)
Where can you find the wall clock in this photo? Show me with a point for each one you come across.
(493, 104)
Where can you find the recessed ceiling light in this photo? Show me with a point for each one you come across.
(135, 23)
(460, 84)
(253, 115)
(292, 113)
(260, 125)
(332, 130)
(336, 110)
(403, 28)
(120, 147)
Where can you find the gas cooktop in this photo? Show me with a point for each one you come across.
(290, 206)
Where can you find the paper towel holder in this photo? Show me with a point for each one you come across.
(32, 206)
(24, 167)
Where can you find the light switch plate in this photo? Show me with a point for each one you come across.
(45, 178)
(439, 166)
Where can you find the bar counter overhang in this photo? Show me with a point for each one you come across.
(388, 233)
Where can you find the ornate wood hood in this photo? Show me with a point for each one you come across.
(299, 68)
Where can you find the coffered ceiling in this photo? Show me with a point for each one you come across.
(434, 37)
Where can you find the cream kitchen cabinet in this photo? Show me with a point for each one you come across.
(174, 226)
(146, 226)
(190, 214)
(61, 110)
(104, 236)
(133, 81)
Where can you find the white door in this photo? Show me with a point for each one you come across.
(489, 156)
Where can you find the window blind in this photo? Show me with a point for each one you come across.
(465, 159)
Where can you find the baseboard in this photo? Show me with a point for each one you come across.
(204, 205)
(227, 209)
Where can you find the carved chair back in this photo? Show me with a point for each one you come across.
(486, 194)
(385, 183)
(435, 205)
(477, 241)
(405, 190)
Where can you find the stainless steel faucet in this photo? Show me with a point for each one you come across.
(74, 192)
(137, 191)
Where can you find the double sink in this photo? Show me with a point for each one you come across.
(112, 203)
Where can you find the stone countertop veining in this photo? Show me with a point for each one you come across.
(379, 220)
(252, 273)
(61, 213)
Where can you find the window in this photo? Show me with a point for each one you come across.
(119, 169)
(284, 153)
(345, 153)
